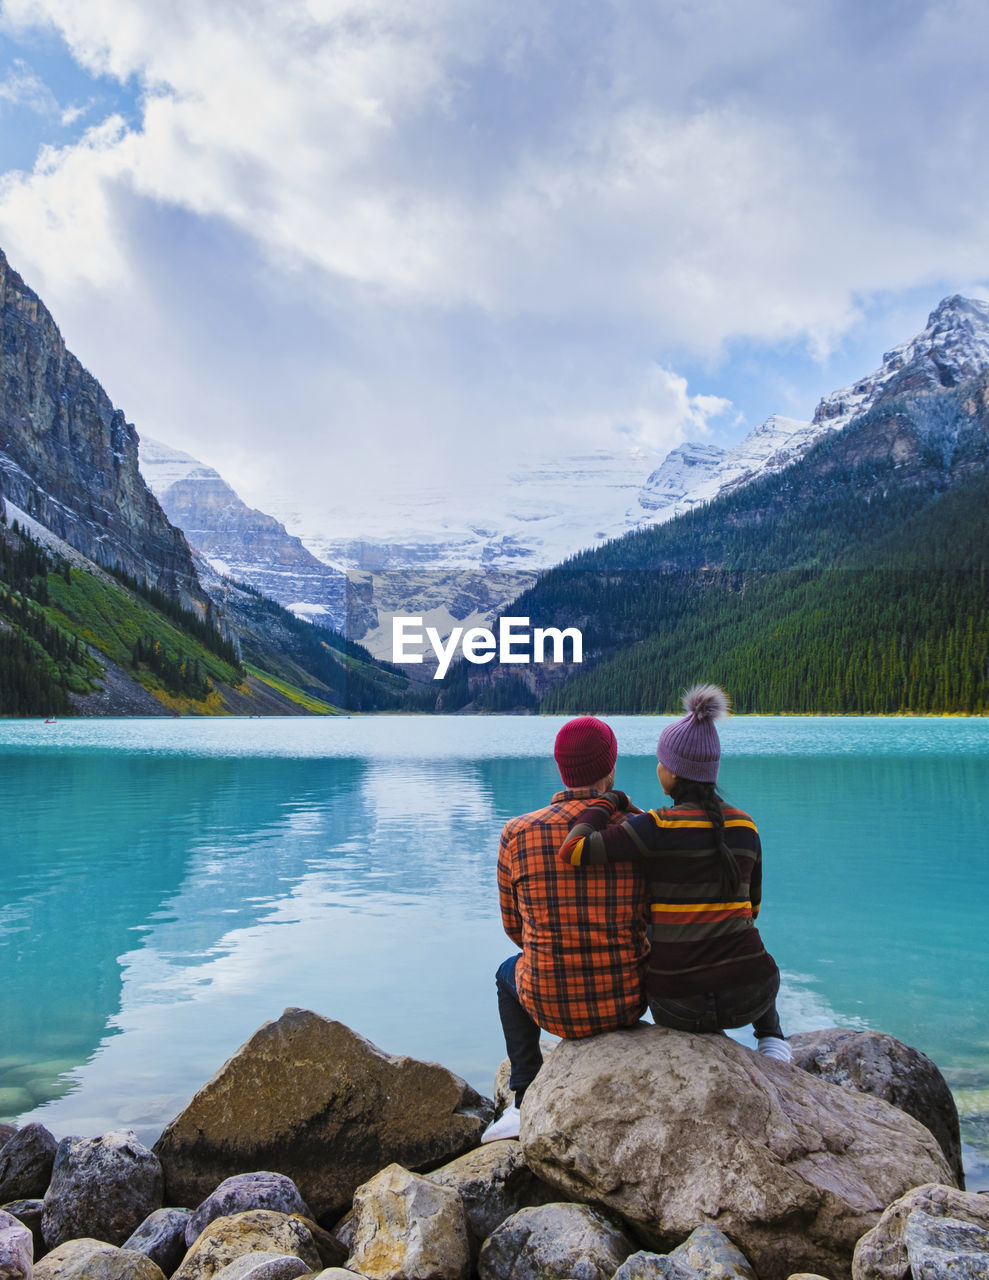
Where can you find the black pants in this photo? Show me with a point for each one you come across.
(718, 1010)
(521, 1032)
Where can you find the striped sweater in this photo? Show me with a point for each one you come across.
(700, 942)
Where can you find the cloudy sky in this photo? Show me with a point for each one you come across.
(309, 240)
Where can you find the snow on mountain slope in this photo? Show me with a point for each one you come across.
(239, 541)
(952, 348)
(470, 550)
(695, 473)
(537, 515)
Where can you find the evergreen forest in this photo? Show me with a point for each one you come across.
(853, 582)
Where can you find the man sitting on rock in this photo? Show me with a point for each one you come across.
(584, 953)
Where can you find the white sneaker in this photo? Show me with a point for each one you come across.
(506, 1126)
(771, 1047)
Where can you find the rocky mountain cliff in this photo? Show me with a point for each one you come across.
(162, 630)
(951, 349)
(70, 459)
(433, 553)
(549, 508)
(851, 582)
(240, 541)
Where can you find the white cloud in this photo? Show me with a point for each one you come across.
(72, 115)
(21, 87)
(338, 135)
(588, 190)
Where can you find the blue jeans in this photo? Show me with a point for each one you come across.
(717, 1010)
(521, 1031)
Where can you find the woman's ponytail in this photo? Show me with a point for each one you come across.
(705, 796)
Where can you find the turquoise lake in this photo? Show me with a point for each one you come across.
(169, 885)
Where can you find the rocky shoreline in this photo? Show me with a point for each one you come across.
(646, 1154)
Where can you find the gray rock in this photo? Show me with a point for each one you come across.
(493, 1182)
(311, 1099)
(259, 1190)
(102, 1188)
(16, 1249)
(887, 1252)
(264, 1266)
(503, 1095)
(161, 1236)
(7, 1131)
(946, 1248)
(712, 1256)
(68, 453)
(26, 1163)
(552, 1242)
(331, 1251)
(405, 1225)
(872, 1062)
(87, 1259)
(255, 1231)
(706, 1254)
(28, 1212)
(669, 1130)
(654, 1266)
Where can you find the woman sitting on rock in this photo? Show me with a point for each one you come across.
(708, 968)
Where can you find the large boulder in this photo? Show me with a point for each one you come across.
(493, 1182)
(259, 1190)
(405, 1225)
(712, 1256)
(28, 1214)
(161, 1236)
(706, 1254)
(87, 1259)
(672, 1130)
(26, 1163)
(7, 1131)
(16, 1249)
(310, 1098)
(255, 1231)
(873, 1062)
(264, 1266)
(102, 1188)
(930, 1232)
(553, 1242)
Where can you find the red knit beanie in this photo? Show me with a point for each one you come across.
(585, 751)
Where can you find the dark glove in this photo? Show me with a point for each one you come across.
(619, 799)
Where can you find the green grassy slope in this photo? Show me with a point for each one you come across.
(57, 622)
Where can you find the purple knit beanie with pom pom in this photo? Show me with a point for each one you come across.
(690, 748)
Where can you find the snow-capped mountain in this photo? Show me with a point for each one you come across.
(239, 541)
(953, 347)
(695, 473)
(466, 553)
(532, 517)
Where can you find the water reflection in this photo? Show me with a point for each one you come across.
(159, 906)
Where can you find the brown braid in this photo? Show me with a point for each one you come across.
(705, 796)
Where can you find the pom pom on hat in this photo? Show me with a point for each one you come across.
(690, 748)
(585, 751)
(706, 702)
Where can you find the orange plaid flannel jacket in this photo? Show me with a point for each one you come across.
(583, 937)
